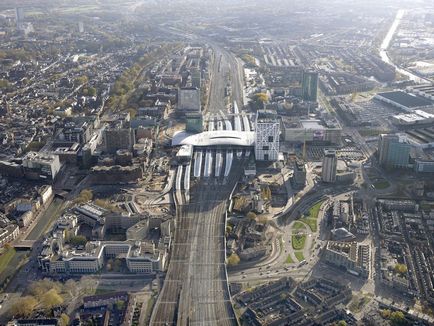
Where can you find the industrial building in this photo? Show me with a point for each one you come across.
(424, 90)
(404, 101)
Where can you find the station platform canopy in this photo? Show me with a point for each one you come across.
(215, 138)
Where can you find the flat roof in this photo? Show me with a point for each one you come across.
(405, 99)
(312, 124)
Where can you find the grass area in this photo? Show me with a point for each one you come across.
(5, 258)
(12, 267)
(289, 260)
(299, 255)
(298, 226)
(314, 210)
(382, 185)
(357, 303)
(298, 241)
(311, 217)
(312, 222)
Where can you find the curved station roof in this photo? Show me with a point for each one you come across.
(215, 138)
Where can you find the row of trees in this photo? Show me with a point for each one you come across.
(396, 318)
(122, 96)
(87, 195)
(84, 196)
(44, 295)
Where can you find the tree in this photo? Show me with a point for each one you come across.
(259, 100)
(109, 264)
(120, 304)
(233, 259)
(51, 299)
(132, 112)
(400, 268)
(88, 285)
(78, 240)
(107, 205)
(64, 320)
(261, 97)
(117, 265)
(71, 288)
(385, 313)
(251, 215)
(4, 83)
(91, 91)
(24, 306)
(84, 196)
(80, 81)
(397, 318)
(39, 288)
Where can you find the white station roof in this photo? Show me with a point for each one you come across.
(215, 138)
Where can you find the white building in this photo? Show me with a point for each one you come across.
(41, 165)
(267, 134)
(138, 258)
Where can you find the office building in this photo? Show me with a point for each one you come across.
(299, 175)
(194, 122)
(393, 151)
(80, 27)
(310, 86)
(329, 166)
(267, 135)
(19, 16)
(117, 138)
(41, 166)
(315, 131)
(188, 100)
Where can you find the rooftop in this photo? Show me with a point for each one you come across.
(215, 138)
(405, 99)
